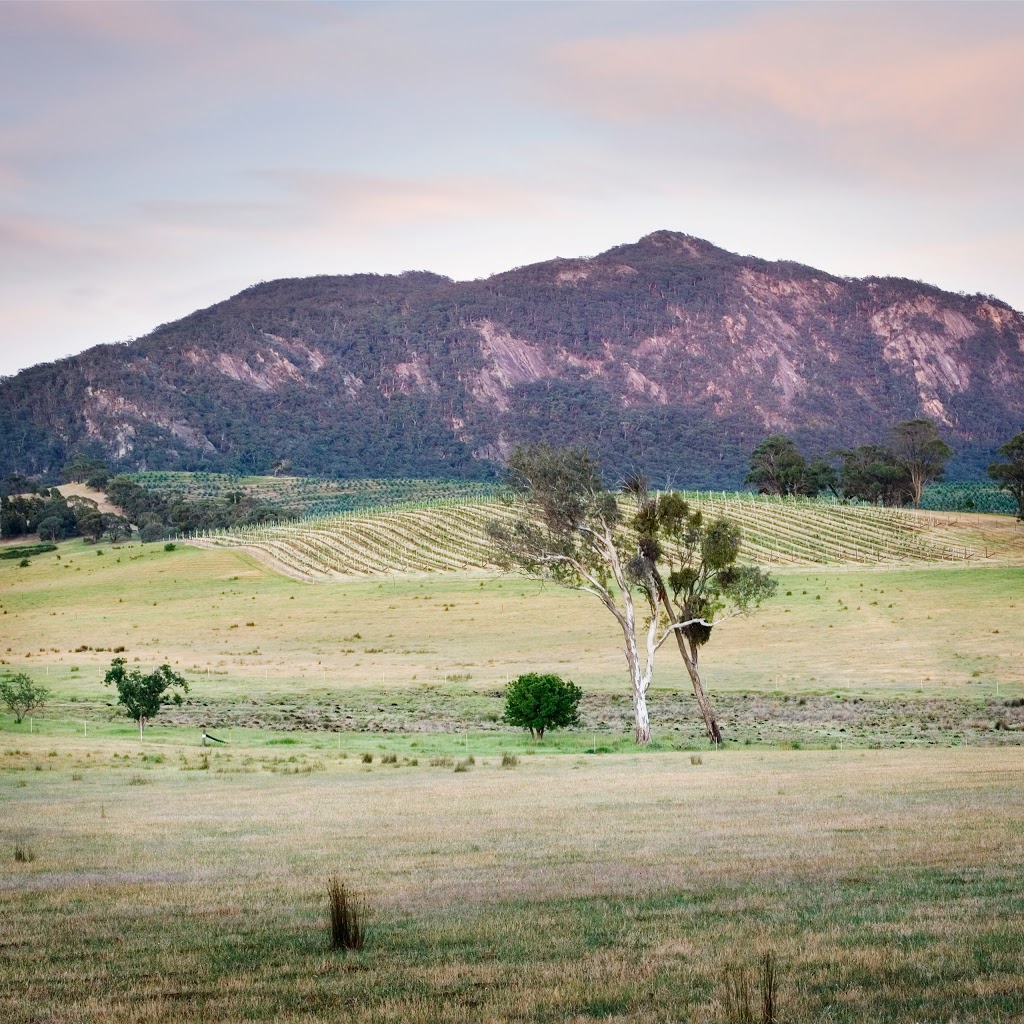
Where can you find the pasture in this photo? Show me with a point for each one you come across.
(574, 880)
(186, 885)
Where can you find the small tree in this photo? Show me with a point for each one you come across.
(1010, 474)
(91, 526)
(22, 695)
(142, 696)
(921, 453)
(538, 702)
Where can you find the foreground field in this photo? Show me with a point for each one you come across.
(621, 888)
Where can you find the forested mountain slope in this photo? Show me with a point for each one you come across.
(668, 355)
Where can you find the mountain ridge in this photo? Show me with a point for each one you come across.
(668, 355)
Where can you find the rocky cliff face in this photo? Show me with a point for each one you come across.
(668, 355)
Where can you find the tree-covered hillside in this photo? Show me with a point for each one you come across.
(667, 356)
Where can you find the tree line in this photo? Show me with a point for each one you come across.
(893, 473)
(26, 508)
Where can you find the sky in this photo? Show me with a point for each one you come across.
(156, 158)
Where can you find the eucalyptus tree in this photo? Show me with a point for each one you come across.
(689, 564)
(665, 573)
(568, 529)
(921, 453)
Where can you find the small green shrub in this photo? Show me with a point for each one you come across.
(538, 701)
(170, 546)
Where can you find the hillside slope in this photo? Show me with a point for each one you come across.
(451, 536)
(668, 355)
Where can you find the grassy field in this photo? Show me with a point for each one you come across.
(238, 629)
(157, 880)
(189, 885)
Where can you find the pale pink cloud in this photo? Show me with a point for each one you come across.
(866, 83)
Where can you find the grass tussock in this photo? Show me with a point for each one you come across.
(348, 916)
(509, 761)
(746, 1000)
(23, 853)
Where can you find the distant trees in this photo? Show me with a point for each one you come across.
(538, 701)
(921, 453)
(142, 696)
(22, 695)
(871, 473)
(117, 527)
(892, 474)
(1010, 474)
(51, 528)
(777, 466)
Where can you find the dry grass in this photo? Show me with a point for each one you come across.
(577, 889)
(347, 916)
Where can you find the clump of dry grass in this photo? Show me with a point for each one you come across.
(23, 853)
(696, 759)
(367, 758)
(348, 916)
(509, 760)
(738, 1002)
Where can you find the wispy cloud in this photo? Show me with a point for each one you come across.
(886, 90)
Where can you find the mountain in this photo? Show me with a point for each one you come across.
(669, 355)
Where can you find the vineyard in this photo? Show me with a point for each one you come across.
(312, 496)
(953, 497)
(449, 535)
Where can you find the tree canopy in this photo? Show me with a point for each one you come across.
(1010, 473)
(777, 466)
(921, 453)
(540, 701)
(143, 695)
